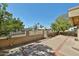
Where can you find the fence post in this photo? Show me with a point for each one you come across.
(27, 33)
(45, 33)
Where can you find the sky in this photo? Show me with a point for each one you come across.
(44, 13)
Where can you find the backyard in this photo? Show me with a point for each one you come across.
(39, 32)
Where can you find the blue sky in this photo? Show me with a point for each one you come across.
(44, 13)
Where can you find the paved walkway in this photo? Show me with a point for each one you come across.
(62, 44)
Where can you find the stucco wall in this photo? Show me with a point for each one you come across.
(74, 12)
(4, 43)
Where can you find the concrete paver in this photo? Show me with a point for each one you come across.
(66, 49)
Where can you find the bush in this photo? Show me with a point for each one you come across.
(68, 33)
(52, 34)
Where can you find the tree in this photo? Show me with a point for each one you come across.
(61, 24)
(19, 25)
(41, 26)
(2, 17)
(7, 22)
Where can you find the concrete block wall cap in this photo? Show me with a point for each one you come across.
(73, 8)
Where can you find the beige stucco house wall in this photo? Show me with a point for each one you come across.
(74, 11)
(74, 17)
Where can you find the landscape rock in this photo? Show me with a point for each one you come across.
(34, 49)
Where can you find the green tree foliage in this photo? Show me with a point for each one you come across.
(61, 24)
(7, 22)
(41, 26)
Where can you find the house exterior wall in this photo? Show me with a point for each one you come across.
(73, 12)
(74, 15)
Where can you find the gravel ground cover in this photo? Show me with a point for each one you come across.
(33, 49)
